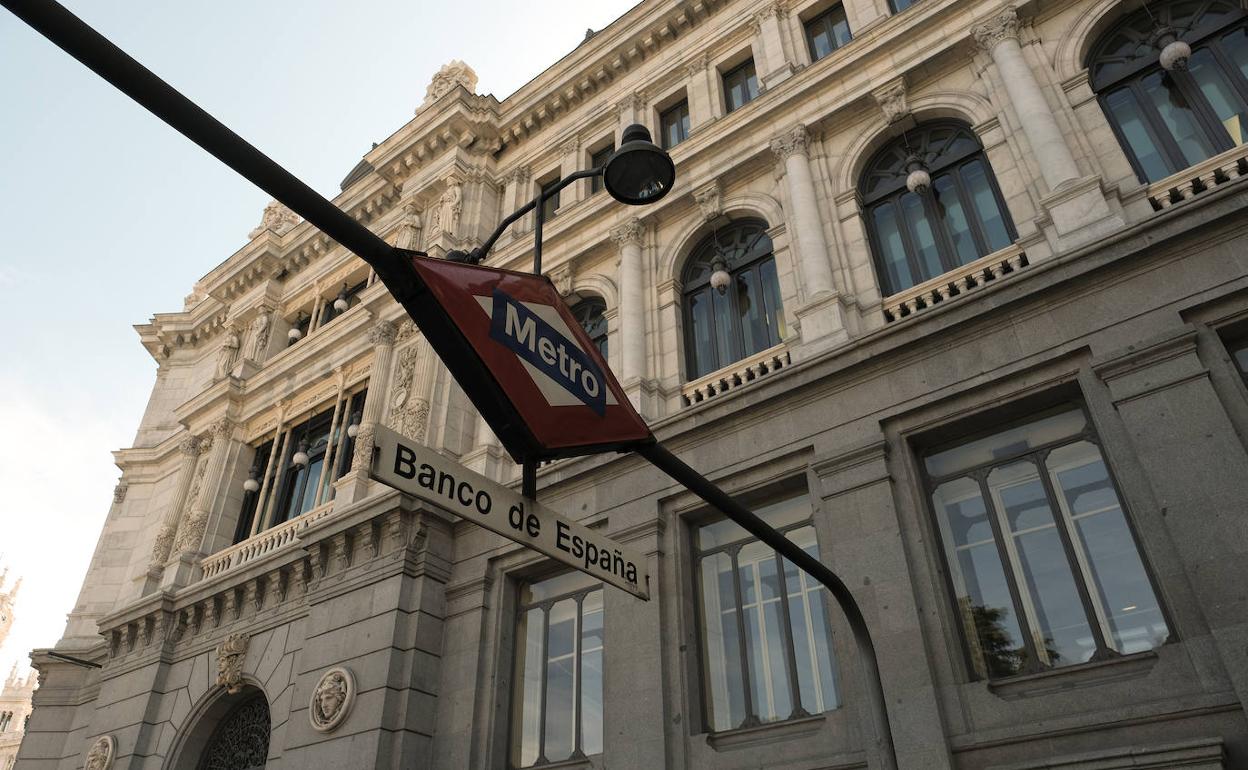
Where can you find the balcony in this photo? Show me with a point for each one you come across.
(955, 283)
(1193, 181)
(737, 375)
(262, 543)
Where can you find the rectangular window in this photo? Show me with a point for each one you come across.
(740, 86)
(764, 624)
(287, 489)
(1239, 352)
(349, 295)
(557, 687)
(827, 32)
(674, 125)
(598, 160)
(1043, 565)
(549, 205)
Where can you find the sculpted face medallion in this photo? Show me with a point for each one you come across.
(332, 699)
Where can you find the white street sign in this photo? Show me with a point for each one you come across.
(421, 472)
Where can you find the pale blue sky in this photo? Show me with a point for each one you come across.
(108, 216)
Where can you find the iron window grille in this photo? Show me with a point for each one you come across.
(1168, 121)
(757, 649)
(557, 698)
(287, 490)
(1041, 560)
(598, 160)
(960, 218)
(748, 317)
(827, 32)
(740, 86)
(674, 125)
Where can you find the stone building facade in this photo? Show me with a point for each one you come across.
(15, 690)
(954, 293)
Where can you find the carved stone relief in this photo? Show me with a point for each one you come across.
(891, 98)
(451, 74)
(227, 353)
(710, 200)
(277, 218)
(409, 411)
(101, 754)
(231, 653)
(258, 336)
(332, 699)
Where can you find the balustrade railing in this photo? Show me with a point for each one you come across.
(740, 373)
(262, 543)
(1200, 178)
(954, 283)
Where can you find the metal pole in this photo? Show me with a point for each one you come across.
(538, 218)
(673, 466)
(528, 479)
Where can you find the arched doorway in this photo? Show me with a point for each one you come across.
(231, 733)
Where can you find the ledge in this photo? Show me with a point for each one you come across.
(1075, 677)
(759, 735)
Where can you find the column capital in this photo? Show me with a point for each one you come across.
(383, 332)
(570, 145)
(221, 429)
(698, 64)
(630, 103)
(190, 446)
(1003, 26)
(892, 99)
(629, 231)
(794, 141)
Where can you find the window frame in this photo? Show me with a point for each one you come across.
(823, 19)
(703, 672)
(597, 159)
(685, 124)
(550, 206)
(517, 694)
(1063, 523)
(728, 78)
(585, 307)
(1207, 37)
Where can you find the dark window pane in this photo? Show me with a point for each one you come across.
(550, 205)
(1125, 112)
(740, 86)
(901, 5)
(775, 308)
(598, 160)
(1222, 97)
(921, 235)
(727, 333)
(892, 250)
(827, 32)
(526, 712)
(1236, 47)
(991, 218)
(701, 334)
(949, 209)
(674, 125)
(1178, 117)
(751, 314)
(721, 645)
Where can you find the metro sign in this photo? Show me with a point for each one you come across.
(534, 374)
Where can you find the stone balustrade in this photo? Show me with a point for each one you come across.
(954, 283)
(1194, 180)
(262, 542)
(735, 376)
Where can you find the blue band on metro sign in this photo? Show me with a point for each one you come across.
(542, 345)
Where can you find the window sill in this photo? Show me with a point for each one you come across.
(575, 763)
(1074, 677)
(772, 732)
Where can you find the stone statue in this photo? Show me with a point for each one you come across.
(100, 756)
(258, 336)
(227, 354)
(455, 73)
(277, 218)
(231, 654)
(453, 205)
(332, 699)
(409, 227)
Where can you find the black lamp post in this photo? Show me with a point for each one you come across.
(638, 173)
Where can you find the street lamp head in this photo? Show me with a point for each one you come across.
(640, 172)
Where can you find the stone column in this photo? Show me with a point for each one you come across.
(1074, 203)
(793, 149)
(627, 238)
(820, 317)
(354, 484)
(184, 558)
(631, 109)
(774, 60)
(190, 448)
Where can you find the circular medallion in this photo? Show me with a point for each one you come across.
(100, 755)
(332, 699)
(400, 398)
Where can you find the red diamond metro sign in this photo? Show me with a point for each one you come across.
(524, 360)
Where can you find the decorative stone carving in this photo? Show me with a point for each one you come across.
(119, 492)
(698, 65)
(382, 333)
(629, 231)
(452, 207)
(227, 353)
(795, 141)
(405, 330)
(190, 446)
(258, 336)
(277, 218)
(631, 104)
(710, 200)
(332, 699)
(454, 73)
(409, 227)
(561, 277)
(520, 175)
(231, 653)
(891, 98)
(1003, 26)
(409, 413)
(570, 146)
(101, 754)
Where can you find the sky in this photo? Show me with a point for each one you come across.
(108, 216)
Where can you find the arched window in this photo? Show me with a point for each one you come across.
(743, 317)
(591, 314)
(1169, 120)
(959, 217)
(241, 738)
